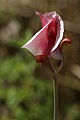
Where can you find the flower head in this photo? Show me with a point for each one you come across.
(47, 43)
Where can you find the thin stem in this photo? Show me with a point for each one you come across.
(55, 90)
(55, 87)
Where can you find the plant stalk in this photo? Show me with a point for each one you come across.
(55, 92)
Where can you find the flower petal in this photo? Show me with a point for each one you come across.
(60, 31)
(47, 17)
(38, 44)
(56, 54)
(51, 33)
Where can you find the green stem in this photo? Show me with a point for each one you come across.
(55, 90)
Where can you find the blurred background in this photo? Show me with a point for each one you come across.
(25, 89)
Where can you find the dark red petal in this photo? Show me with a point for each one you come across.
(51, 33)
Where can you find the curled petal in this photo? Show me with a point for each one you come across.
(60, 31)
(38, 44)
(43, 41)
(65, 41)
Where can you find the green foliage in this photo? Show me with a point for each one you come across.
(25, 96)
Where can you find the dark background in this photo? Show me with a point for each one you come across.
(26, 91)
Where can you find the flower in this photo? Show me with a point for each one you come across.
(47, 43)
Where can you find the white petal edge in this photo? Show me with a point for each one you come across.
(59, 33)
